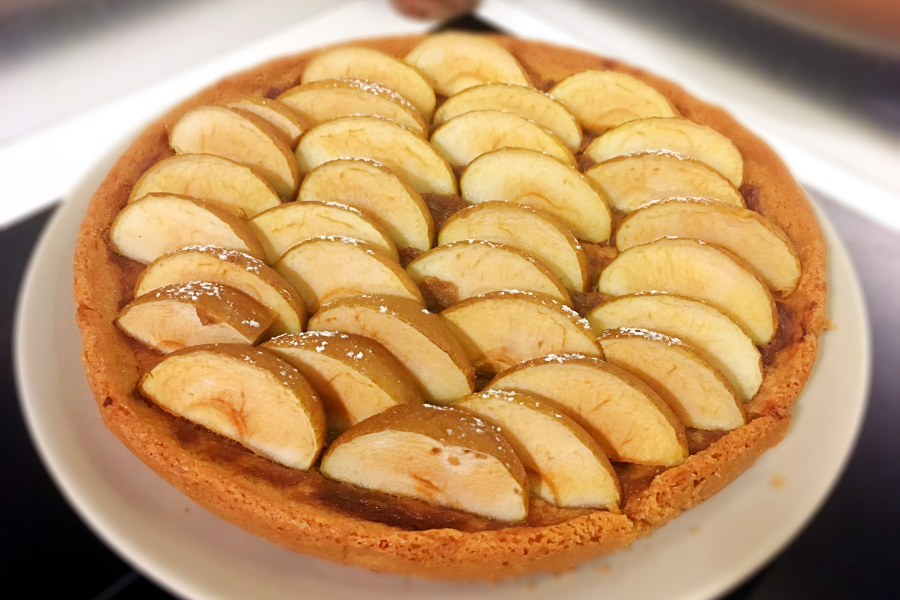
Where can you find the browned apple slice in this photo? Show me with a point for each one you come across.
(697, 270)
(159, 223)
(698, 394)
(234, 269)
(284, 118)
(464, 138)
(243, 393)
(354, 376)
(603, 99)
(325, 269)
(283, 227)
(217, 180)
(401, 150)
(416, 337)
(672, 135)
(760, 243)
(565, 466)
(379, 193)
(502, 329)
(633, 180)
(629, 421)
(242, 137)
(442, 456)
(540, 181)
(455, 61)
(190, 314)
(531, 231)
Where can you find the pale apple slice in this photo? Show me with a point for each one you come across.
(631, 181)
(715, 336)
(629, 421)
(539, 181)
(354, 376)
(416, 337)
(190, 314)
(761, 244)
(322, 101)
(325, 269)
(698, 394)
(671, 134)
(531, 231)
(379, 193)
(286, 119)
(697, 270)
(455, 61)
(565, 466)
(502, 329)
(372, 65)
(401, 150)
(464, 138)
(281, 228)
(442, 456)
(242, 137)
(527, 102)
(225, 183)
(454, 272)
(603, 99)
(234, 269)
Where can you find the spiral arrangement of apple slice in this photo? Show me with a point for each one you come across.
(686, 295)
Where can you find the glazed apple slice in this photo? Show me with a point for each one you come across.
(354, 376)
(234, 269)
(416, 337)
(245, 394)
(629, 421)
(540, 181)
(565, 466)
(160, 223)
(242, 137)
(401, 150)
(442, 456)
(281, 116)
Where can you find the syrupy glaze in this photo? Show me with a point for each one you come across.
(784, 335)
(438, 294)
(442, 207)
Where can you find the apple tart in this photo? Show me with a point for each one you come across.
(455, 306)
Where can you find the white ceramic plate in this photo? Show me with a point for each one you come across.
(704, 553)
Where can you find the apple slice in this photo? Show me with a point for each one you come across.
(455, 61)
(325, 269)
(464, 138)
(758, 242)
(354, 376)
(454, 272)
(190, 314)
(603, 99)
(159, 223)
(527, 102)
(633, 180)
(672, 135)
(697, 270)
(234, 269)
(322, 101)
(531, 231)
(217, 180)
(708, 331)
(242, 137)
(629, 421)
(442, 456)
(379, 193)
(416, 337)
(502, 329)
(287, 120)
(246, 394)
(539, 181)
(565, 466)
(698, 394)
(375, 66)
(281, 228)
(401, 150)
